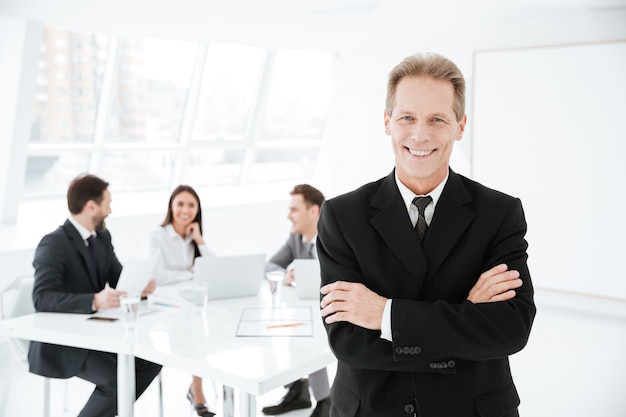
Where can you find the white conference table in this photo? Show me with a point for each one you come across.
(77, 331)
(203, 343)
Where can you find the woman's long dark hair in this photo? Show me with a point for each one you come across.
(169, 218)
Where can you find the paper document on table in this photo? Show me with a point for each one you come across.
(267, 322)
(118, 313)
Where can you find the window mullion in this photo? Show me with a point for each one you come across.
(257, 116)
(104, 104)
(189, 114)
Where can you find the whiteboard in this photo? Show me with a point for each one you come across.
(549, 127)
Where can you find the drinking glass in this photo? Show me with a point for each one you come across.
(130, 307)
(275, 282)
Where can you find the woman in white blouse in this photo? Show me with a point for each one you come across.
(176, 243)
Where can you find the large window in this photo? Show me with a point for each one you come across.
(147, 114)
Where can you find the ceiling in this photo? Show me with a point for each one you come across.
(320, 24)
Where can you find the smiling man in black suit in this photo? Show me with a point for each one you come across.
(426, 289)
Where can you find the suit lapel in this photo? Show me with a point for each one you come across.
(79, 244)
(452, 217)
(391, 220)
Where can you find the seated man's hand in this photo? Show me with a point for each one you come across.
(107, 298)
(290, 277)
(496, 284)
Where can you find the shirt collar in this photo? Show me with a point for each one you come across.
(82, 230)
(313, 239)
(169, 229)
(408, 195)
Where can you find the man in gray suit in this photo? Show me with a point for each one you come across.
(73, 266)
(304, 211)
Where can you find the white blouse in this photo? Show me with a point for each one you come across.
(174, 254)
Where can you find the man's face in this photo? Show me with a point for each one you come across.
(101, 211)
(303, 219)
(423, 129)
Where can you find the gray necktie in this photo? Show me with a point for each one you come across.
(421, 225)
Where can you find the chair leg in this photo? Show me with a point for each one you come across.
(66, 394)
(160, 393)
(46, 397)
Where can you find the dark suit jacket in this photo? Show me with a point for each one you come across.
(65, 282)
(449, 357)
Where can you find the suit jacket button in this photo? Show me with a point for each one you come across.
(418, 350)
(451, 364)
(405, 350)
(399, 350)
(412, 350)
(409, 408)
(439, 365)
(433, 365)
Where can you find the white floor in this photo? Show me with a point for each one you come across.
(22, 394)
(573, 366)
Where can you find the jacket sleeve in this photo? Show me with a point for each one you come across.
(51, 292)
(433, 326)
(465, 330)
(283, 257)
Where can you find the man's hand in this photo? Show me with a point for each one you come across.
(497, 284)
(290, 277)
(352, 302)
(107, 298)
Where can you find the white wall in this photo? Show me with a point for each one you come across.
(548, 129)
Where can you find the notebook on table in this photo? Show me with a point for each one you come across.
(307, 275)
(227, 276)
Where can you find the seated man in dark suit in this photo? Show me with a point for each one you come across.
(69, 278)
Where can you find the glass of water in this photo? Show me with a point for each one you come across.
(275, 282)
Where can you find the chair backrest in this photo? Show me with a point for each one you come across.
(22, 304)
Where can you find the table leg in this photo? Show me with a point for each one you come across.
(125, 385)
(229, 402)
(248, 404)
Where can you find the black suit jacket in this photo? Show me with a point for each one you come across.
(449, 357)
(65, 282)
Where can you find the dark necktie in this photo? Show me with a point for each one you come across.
(92, 251)
(421, 203)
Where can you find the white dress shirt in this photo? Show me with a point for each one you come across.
(175, 255)
(82, 230)
(407, 197)
(312, 243)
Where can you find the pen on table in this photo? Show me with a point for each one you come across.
(158, 303)
(277, 326)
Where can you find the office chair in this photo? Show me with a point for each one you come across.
(23, 304)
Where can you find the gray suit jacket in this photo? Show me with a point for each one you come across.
(292, 249)
(65, 282)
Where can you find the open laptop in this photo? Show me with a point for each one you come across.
(307, 274)
(228, 276)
